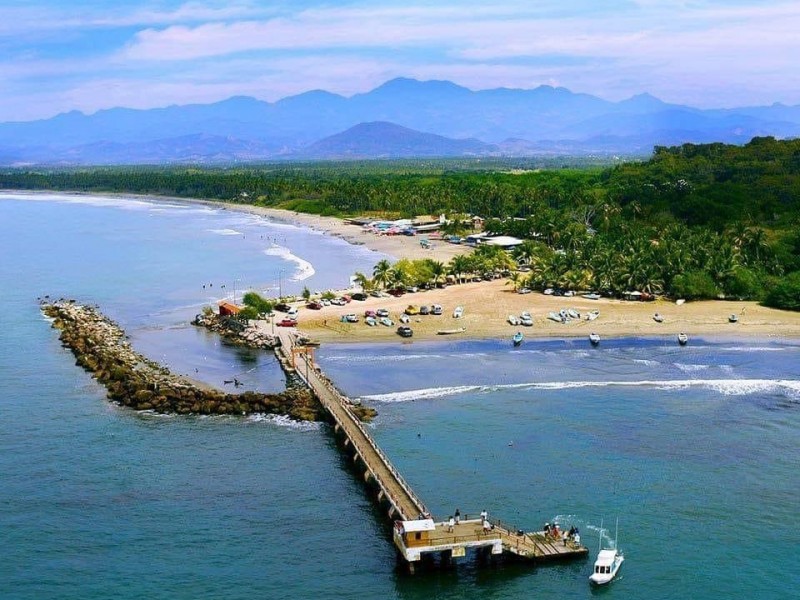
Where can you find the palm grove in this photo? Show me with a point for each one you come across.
(694, 221)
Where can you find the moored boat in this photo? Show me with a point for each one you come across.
(608, 563)
(683, 339)
(517, 338)
(594, 339)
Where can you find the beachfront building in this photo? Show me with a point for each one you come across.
(228, 309)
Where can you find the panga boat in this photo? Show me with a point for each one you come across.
(733, 318)
(608, 562)
(458, 312)
(592, 315)
(594, 339)
(554, 317)
(451, 331)
(683, 339)
(513, 320)
(658, 318)
(517, 338)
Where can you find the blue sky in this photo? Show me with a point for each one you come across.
(87, 55)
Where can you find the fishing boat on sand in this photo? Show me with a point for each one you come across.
(554, 317)
(658, 318)
(733, 318)
(513, 320)
(451, 331)
(592, 315)
(608, 563)
(517, 338)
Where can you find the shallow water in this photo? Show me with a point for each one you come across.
(695, 449)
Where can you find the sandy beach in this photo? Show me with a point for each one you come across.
(488, 304)
(397, 246)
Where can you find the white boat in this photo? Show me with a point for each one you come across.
(683, 339)
(658, 318)
(458, 312)
(733, 318)
(573, 314)
(513, 320)
(592, 296)
(526, 319)
(594, 339)
(608, 563)
(554, 317)
(404, 318)
(592, 315)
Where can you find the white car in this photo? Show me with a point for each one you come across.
(524, 290)
(526, 319)
(458, 312)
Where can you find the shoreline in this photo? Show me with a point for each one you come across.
(488, 304)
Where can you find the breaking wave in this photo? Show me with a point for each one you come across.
(304, 268)
(726, 387)
(225, 231)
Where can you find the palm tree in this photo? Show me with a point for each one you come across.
(515, 279)
(438, 270)
(459, 266)
(380, 274)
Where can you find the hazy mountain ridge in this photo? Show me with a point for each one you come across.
(541, 120)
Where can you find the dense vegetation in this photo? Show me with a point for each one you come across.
(694, 221)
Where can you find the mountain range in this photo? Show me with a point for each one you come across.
(401, 118)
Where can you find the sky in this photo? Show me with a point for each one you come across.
(87, 55)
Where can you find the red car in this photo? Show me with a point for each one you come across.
(314, 306)
(287, 323)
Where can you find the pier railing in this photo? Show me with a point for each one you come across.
(320, 384)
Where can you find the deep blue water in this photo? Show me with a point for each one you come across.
(695, 449)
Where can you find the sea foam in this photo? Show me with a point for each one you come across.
(304, 268)
(726, 387)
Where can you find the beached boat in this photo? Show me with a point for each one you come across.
(451, 331)
(517, 338)
(554, 317)
(513, 320)
(592, 315)
(608, 563)
(458, 312)
(733, 318)
(573, 314)
(658, 318)
(594, 339)
(683, 339)
(592, 296)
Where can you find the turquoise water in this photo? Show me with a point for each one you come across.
(695, 449)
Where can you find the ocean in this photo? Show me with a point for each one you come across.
(695, 450)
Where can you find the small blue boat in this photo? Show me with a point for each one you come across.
(517, 338)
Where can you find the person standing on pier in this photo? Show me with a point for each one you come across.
(458, 516)
(450, 524)
(484, 516)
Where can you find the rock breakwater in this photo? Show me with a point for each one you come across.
(235, 331)
(133, 380)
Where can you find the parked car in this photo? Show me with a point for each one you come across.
(412, 289)
(360, 296)
(282, 307)
(382, 312)
(314, 306)
(350, 318)
(424, 310)
(412, 310)
(370, 313)
(436, 309)
(397, 292)
(287, 323)
(292, 312)
(524, 290)
(405, 331)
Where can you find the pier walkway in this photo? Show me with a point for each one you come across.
(404, 503)
(415, 530)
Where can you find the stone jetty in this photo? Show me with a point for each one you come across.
(235, 331)
(100, 347)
